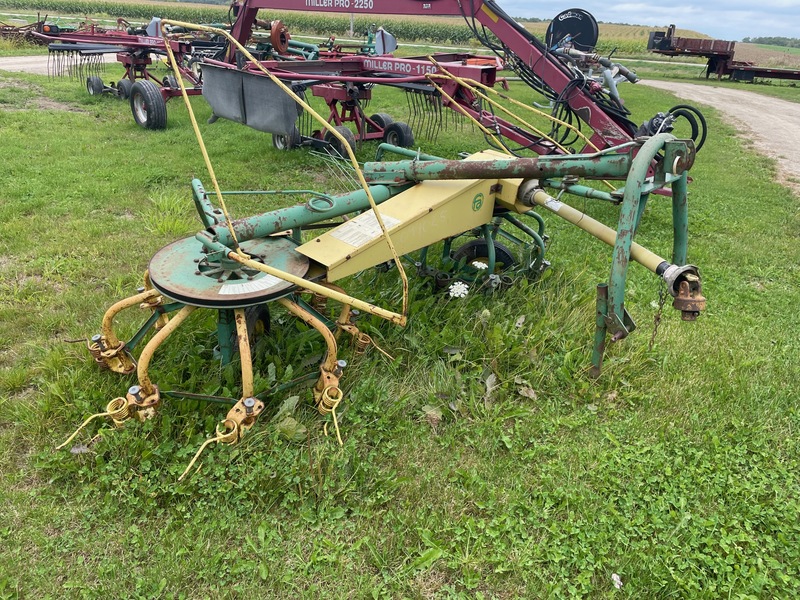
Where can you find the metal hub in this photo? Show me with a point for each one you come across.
(185, 272)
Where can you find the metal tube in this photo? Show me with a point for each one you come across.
(107, 329)
(329, 363)
(244, 353)
(600, 330)
(626, 228)
(596, 165)
(292, 217)
(605, 234)
(580, 190)
(153, 344)
(166, 308)
(304, 283)
(680, 220)
(384, 147)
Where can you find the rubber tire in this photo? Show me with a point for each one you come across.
(124, 87)
(399, 134)
(258, 322)
(701, 120)
(171, 82)
(94, 85)
(287, 142)
(335, 145)
(382, 120)
(148, 106)
(196, 66)
(475, 249)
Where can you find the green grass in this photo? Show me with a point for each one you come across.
(695, 73)
(783, 49)
(676, 470)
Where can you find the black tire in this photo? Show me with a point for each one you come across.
(335, 145)
(257, 319)
(94, 85)
(287, 142)
(148, 106)
(196, 66)
(382, 120)
(686, 110)
(399, 134)
(478, 249)
(124, 87)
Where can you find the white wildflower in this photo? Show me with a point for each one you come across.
(481, 266)
(617, 580)
(458, 289)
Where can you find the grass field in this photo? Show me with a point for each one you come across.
(678, 470)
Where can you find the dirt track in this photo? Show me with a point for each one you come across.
(772, 124)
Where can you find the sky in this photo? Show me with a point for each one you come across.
(725, 20)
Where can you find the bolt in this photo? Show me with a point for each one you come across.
(341, 363)
(96, 338)
(136, 393)
(249, 402)
(139, 290)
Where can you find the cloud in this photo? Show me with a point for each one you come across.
(731, 20)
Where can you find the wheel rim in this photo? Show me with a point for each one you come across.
(280, 141)
(140, 108)
(391, 138)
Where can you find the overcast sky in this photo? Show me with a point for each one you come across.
(725, 20)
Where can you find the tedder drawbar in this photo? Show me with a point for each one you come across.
(421, 208)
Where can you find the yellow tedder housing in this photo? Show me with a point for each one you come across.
(418, 217)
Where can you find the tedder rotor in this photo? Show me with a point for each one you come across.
(297, 257)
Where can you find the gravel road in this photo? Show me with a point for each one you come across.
(24, 64)
(772, 124)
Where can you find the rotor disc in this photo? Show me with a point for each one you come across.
(185, 272)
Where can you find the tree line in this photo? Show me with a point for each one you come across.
(774, 41)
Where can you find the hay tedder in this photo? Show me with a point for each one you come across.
(467, 223)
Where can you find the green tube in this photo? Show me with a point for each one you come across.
(626, 229)
(325, 207)
(600, 331)
(680, 220)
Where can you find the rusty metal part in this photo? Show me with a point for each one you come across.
(244, 352)
(684, 284)
(279, 36)
(689, 300)
(114, 358)
(244, 414)
(119, 411)
(142, 404)
(330, 369)
(153, 303)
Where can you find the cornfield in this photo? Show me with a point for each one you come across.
(624, 39)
